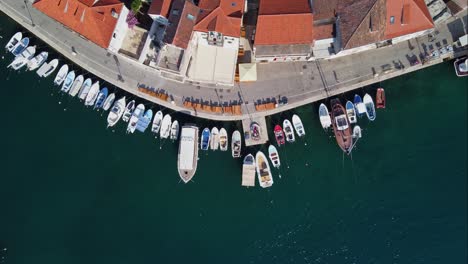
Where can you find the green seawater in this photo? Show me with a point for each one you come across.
(72, 191)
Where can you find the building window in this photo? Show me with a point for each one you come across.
(175, 12)
(114, 36)
(392, 20)
(189, 16)
(233, 4)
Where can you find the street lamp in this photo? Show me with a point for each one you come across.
(30, 17)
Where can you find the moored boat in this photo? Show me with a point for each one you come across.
(136, 115)
(157, 122)
(20, 47)
(116, 112)
(174, 130)
(214, 139)
(76, 86)
(265, 179)
(248, 171)
(61, 75)
(108, 102)
(223, 139)
(14, 40)
(205, 139)
(84, 90)
(324, 116)
(341, 127)
(279, 135)
(461, 66)
(380, 98)
(92, 94)
(351, 112)
(144, 121)
(357, 133)
(288, 131)
(47, 68)
(359, 105)
(102, 96)
(37, 61)
(165, 130)
(22, 59)
(68, 82)
(187, 157)
(370, 109)
(274, 156)
(298, 126)
(236, 144)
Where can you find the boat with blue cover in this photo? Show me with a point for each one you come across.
(102, 96)
(351, 112)
(144, 121)
(20, 47)
(370, 108)
(360, 107)
(136, 115)
(68, 82)
(205, 139)
(84, 90)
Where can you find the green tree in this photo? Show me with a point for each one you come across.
(136, 5)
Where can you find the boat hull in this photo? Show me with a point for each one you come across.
(187, 157)
(342, 131)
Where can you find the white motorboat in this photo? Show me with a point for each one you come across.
(236, 144)
(68, 82)
(128, 111)
(37, 61)
(370, 109)
(359, 105)
(288, 131)
(136, 115)
(15, 40)
(223, 139)
(157, 122)
(248, 171)
(325, 119)
(62, 73)
(108, 102)
(214, 139)
(174, 130)
(23, 58)
(84, 90)
(351, 112)
(265, 179)
(92, 94)
(47, 68)
(76, 86)
(187, 157)
(17, 63)
(297, 123)
(357, 133)
(166, 126)
(116, 112)
(274, 156)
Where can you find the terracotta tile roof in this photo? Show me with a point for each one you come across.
(324, 9)
(223, 16)
(277, 7)
(284, 29)
(160, 7)
(182, 19)
(324, 31)
(409, 17)
(91, 19)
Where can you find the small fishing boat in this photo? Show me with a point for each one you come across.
(165, 126)
(380, 98)
(15, 40)
(360, 107)
(341, 127)
(157, 122)
(248, 171)
(205, 139)
(84, 90)
(76, 86)
(370, 109)
(37, 61)
(187, 157)
(17, 63)
(263, 170)
(23, 58)
(236, 144)
(116, 112)
(174, 130)
(274, 156)
(68, 82)
(255, 131)
(62, 73)
(47, 68)
(128, 111)
(279, 135)
(102, 96)
(214, 139)
(108, 102)
(297, 123)
(325, 119)
(288, 131)
(20, 47)
(461, 66)
(92, 94)
(357, 133)
(223, 140)
(144, 122)
(137, 114)
(351, 112)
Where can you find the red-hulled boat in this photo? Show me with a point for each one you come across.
(341, 127)
(380, 98)
(279, 135)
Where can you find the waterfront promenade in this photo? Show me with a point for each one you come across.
(300, 82)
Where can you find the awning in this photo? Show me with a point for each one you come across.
(248, 72)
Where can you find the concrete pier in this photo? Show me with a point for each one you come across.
(249, 141)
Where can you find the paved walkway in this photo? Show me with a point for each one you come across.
(300, 82)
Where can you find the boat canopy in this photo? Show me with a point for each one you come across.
(187, 149)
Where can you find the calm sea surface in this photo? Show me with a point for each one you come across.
(72, 191)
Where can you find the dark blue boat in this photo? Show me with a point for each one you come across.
(359, 105)
(21, 46)
(144, 121)
(101, 98)
(205, 139)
